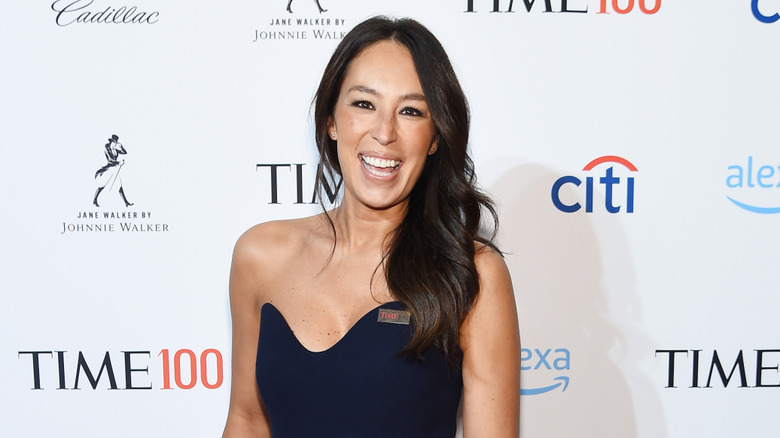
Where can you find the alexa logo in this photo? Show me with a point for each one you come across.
(618, 190)
(751, 183)
(545, 369)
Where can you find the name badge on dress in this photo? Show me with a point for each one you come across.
(393, 316)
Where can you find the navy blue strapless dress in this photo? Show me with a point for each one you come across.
(358, 387)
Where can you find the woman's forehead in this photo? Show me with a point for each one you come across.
(383, 67)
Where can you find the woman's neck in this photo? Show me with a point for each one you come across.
(361, 228)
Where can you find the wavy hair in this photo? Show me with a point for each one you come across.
(429, 259)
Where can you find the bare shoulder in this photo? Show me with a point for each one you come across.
(269, 248)
(494, 279)
(270, 242)
(495, 304)
(489, 261)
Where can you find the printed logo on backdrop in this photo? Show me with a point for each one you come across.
(545, 370)
(308, 21)
(622, 7)
(101, 12)
(294, 183)
(754, 185)
(694, 369)
(111, 210)
(763, 13)
(108, 175)
(317, 2)
(137, 369)
(618, 190)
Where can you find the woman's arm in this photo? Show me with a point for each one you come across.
(491, 354)
(246, 415)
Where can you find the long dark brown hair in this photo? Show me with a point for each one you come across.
(429, 263)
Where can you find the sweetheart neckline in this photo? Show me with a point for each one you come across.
(339, 341)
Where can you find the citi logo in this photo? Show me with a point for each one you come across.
(749, 180)
(768, 19)
(614, 187)
(557, 361)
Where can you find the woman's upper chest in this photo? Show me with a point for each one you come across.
(321, 300)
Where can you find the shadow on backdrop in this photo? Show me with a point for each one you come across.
(557, 264)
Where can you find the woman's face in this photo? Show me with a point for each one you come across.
(382, 126)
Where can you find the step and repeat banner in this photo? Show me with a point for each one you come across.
(632, 146)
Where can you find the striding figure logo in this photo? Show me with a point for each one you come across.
(108, 175)
(319, 6)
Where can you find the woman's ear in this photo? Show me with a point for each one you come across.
(434, 145)
(332, 129)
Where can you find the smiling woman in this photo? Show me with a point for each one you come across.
(380, 317)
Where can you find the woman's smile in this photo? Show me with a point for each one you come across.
(380, 167)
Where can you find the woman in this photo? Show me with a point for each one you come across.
(372, 319)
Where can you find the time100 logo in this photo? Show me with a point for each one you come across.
(644, 6)
(649, 7)
(183, 369)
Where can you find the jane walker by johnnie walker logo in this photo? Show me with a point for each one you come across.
(111, 209)
(292, 26)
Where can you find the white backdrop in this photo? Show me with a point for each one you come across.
(209, 99)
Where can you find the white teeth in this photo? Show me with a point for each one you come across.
(379, 162)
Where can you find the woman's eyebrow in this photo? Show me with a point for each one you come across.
(373, 92)
(363, 89)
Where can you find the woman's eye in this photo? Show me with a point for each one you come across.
(363, 104)
(410, 111)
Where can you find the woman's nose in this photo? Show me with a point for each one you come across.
(384, 130)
